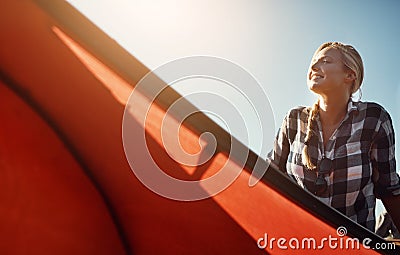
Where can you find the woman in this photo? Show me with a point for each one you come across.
(340, 150)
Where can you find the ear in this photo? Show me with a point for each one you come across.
(350, 76)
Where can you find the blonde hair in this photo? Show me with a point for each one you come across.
(352, 61)
(305, 157)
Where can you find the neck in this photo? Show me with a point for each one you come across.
(332, 110)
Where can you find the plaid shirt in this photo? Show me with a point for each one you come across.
(362, 150)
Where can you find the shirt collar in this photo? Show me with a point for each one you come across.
(352, 106)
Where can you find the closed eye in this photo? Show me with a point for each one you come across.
(322, 61)
(325, 61)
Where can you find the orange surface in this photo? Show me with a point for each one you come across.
(48, 205)
(84, 98)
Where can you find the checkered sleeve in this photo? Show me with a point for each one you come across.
(279, 154)
(383, 158)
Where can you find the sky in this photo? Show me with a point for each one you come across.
(272, 40)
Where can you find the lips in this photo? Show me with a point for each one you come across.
(316, 76)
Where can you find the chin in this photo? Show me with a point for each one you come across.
(313, 86)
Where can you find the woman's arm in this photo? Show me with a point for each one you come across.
(387, 185)
(279, 154)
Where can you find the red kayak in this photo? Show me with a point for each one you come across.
(66, 186)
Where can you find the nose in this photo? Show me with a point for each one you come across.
(314, 66)
(313, 69)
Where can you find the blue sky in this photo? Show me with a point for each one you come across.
(272, 40)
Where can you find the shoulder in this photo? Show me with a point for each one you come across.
(298, 112)
(296, 117)
(373, 110)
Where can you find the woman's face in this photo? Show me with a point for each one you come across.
(327, 73)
